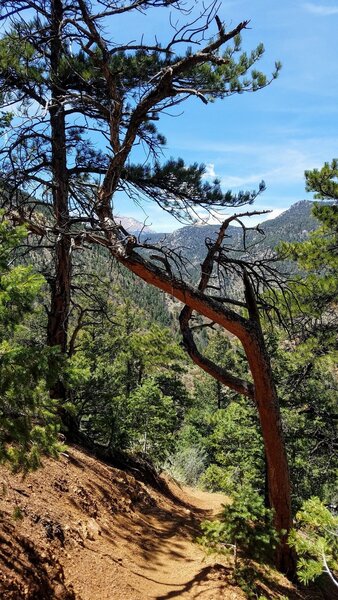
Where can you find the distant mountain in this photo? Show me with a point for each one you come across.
(294, 224)
(132, 225)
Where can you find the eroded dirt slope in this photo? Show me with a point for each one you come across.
(80, 530)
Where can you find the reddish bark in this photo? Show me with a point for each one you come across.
(265, 395)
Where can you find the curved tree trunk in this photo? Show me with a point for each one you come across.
(249, 332)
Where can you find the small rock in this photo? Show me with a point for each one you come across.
(91, 530)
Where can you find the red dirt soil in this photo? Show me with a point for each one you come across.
(78, 529)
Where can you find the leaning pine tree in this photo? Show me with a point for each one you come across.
(66, 78)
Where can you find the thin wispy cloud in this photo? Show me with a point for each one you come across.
(273, 214)
(275, 166)
(255, 220)
(321, 9)
(217, 217)
(231, 181)
(244, 165)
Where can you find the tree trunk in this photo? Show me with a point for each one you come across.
(278, 479)
(219, 395)
(60, 296)
(57, 328)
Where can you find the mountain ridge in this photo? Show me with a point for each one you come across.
(294, 224)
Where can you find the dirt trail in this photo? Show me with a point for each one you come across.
(154, 555)
(80, 530)
(166, 563)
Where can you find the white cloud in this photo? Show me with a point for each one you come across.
(280, 164)
(320, 9)
(257, 219)
(231, 181)
(209, 171)
(211, 217)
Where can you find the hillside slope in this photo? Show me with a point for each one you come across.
(294, 224)
(80, 530)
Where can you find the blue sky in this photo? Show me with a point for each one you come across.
(274, 134)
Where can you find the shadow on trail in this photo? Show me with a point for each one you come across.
(207, 575)
(157, 526)
(146, 517)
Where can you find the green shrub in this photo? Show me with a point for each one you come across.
(315, 539)
(217, 479)
(28, 369)
(244, 527)
(187, 464)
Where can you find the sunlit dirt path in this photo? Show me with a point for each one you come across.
(167, 563)
(155, 555)
(78, 529)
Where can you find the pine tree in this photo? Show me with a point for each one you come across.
(318, 256)
(309, 361)
(28, 423)
(119, 366)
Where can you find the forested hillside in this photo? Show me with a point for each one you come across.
(208, 354)
(294, 224)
